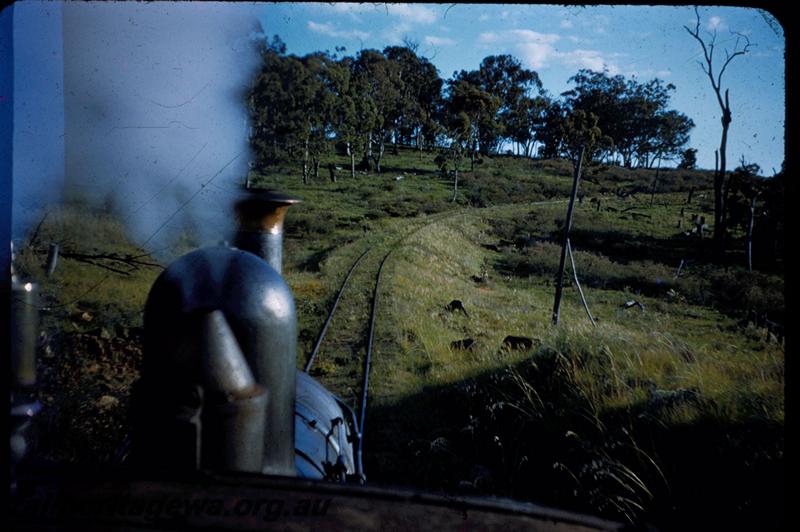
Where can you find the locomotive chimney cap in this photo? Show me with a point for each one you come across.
(262, 209)
(269, 195)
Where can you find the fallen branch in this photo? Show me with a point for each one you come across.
(35, 236)
(111, 261)
(131, 260)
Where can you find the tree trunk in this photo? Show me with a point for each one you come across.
(305, 162)
(381, 150)
(750, 233)
(315, 166)
(352, 164)
(365, 161)
(455, 184)
(720, 185)
(565, 241)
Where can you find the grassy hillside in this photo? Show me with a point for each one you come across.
(657, 413)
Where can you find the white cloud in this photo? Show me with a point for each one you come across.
(536, 55)
(566, 24)
(714, 23)
(330, 30)
(415, 13)
(409, 13)
(487, 37)
(539, 50)
(345, 7)
(518, 36)
(533, 36)
(353, 10)
(432, 40)
(663, 73)
(483, 18)
(591, 59)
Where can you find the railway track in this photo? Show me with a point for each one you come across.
(363, 309)
(375, 258)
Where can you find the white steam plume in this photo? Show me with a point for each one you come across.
(155, 118)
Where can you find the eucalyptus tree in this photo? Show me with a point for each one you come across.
(282, 96)
(379, 83)
(553, 129)
(741, 46)
(672, 130)
(606, 97)
(581, 134)
(525, 122)
(419, 86)
(458, 129)
(479, 106)
(503, 77)
(324, 88)
(688, 159)
(633, 114)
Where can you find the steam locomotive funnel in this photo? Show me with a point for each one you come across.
(220, 389)
(260, 214)
(220, 354)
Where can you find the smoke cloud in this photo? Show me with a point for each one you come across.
(155, 119)
(37, 136)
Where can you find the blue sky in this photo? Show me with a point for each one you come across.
(556, 41)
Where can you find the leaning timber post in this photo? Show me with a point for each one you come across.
(578, 284)
(750, 233)
(565, 241)
(655, 183)
(52, 257)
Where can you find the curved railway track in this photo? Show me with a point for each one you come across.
(369, 333)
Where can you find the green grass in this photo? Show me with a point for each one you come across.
(672, 344)
(78, 286)
(676, 365)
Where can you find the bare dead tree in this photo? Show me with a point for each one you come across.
(741, 46)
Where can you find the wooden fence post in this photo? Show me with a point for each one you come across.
(567, 227)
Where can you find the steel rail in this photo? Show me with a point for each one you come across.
(324, 330)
